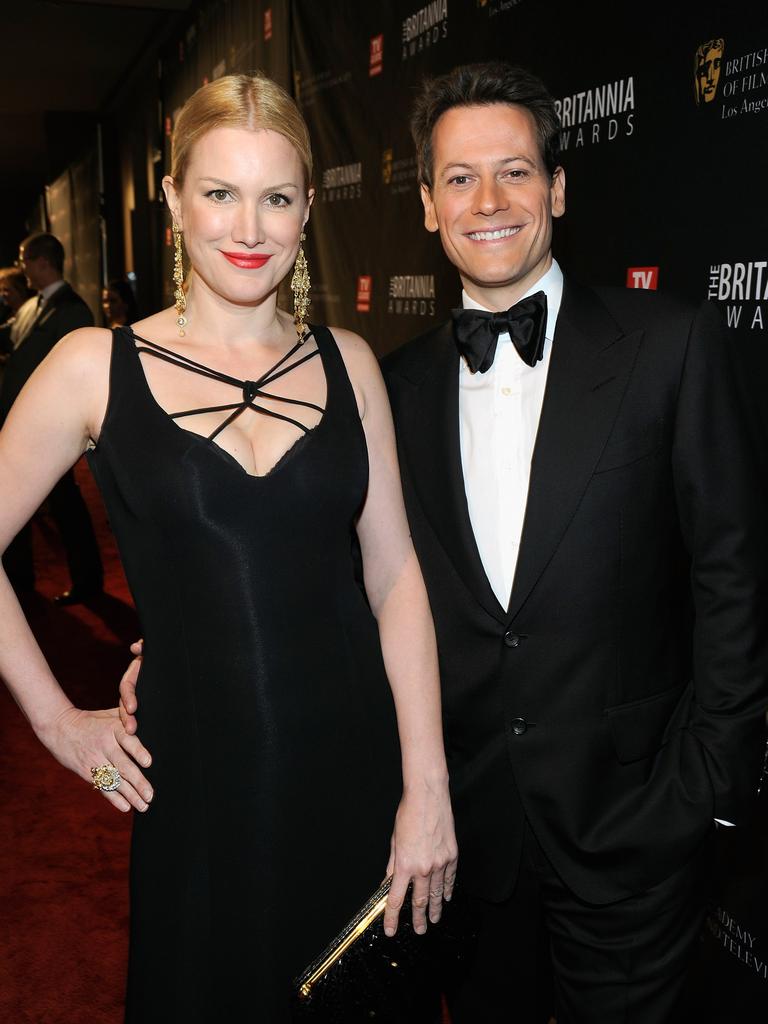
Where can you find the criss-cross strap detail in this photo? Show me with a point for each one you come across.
(250, 389)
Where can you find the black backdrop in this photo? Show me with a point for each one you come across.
(664, 187)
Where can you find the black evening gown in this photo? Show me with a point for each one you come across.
(262, 694)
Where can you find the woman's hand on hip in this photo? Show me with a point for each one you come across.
(82, 740)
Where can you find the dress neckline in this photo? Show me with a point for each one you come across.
(250, 390)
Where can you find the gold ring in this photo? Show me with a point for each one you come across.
(106, 778)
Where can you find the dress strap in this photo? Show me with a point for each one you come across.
(250, 389)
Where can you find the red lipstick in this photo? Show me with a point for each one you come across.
(246, 260)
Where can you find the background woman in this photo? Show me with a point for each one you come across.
(119, 303)
(236, 458)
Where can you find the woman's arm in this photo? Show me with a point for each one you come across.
(424, 844)
(46, 431)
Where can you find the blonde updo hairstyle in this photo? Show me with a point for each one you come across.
(253, 102)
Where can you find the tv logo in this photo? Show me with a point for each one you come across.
(643, 277)
(376, 61)
(364, 289)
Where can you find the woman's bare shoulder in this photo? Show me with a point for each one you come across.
(85, 348)
(355, 350)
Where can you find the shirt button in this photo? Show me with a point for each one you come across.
(512, 639)
(506, 391)
(519, 726)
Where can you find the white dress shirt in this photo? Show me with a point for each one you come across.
(31, 311)
(47, 292)
(499, 414)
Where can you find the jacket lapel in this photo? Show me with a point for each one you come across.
(590, 366)
(431, 446)
(60, 296)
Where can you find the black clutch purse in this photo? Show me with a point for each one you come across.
(364, 975)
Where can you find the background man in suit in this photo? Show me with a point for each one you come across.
(57, 310)
(583, 503)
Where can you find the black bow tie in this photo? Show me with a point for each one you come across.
(477, 331)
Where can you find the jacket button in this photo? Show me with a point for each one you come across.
(519, 726)
(512, 639)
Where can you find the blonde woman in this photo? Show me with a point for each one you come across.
(238, 450)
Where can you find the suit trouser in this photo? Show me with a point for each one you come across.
(70, 513)
(623, 963)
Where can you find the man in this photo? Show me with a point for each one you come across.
(43, 321)
(586, 520)
(582, 504)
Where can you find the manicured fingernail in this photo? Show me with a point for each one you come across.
(143, 806)
(146, 761)
(420, 929)
(148, 794)
(389, 931)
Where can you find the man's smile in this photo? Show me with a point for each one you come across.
(494, 235)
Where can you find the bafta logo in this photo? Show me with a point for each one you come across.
(709, 57)
(386, 166)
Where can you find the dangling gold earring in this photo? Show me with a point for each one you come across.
(300, 287)
(178, 279)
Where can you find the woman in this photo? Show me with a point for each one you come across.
(236, 458)
(118, 304)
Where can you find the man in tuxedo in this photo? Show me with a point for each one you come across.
(43, 321)
(584, 505)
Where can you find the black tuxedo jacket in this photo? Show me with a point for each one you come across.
(65, 311)
(619, 702)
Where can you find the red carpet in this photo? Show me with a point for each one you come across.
(63, 848)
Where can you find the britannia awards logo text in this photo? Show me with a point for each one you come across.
(743, 287)
(605, 112)
(425, 27)
(344, 182)
(412, 295)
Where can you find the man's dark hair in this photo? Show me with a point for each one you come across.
(47, 246)
(482, 85)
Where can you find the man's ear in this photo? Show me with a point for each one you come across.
(430, 217)
(557, 192)
(173, 199)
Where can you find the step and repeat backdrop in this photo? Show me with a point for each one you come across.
(663, 139)
(664, 145)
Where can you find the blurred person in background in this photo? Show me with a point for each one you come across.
(119, 304)
(56, 311)
(14, 294)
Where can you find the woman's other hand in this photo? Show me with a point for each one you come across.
(424, 851)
